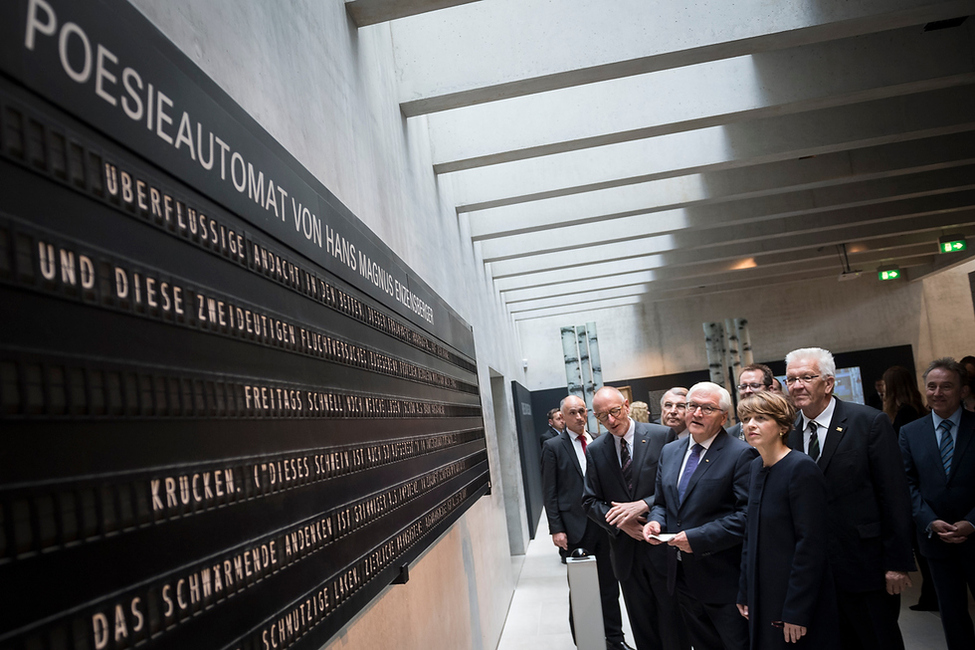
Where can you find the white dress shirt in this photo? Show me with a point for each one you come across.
(577, 446)
(822, 423)
(628, 436)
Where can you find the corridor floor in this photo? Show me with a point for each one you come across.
(538, 613)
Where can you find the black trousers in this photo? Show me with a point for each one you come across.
(953, 577)
(654, 615)
(868, 620)
(711, 626)
(596, 541)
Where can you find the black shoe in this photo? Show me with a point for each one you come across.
(924, 607)
(617, 645)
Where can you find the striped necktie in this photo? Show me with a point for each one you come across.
(625, 463)
(947, 445)
(813, 440)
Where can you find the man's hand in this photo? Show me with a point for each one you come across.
(634, 529)
(742, 609)
(959, 532)
(793, 632)
(941, 527)
(560, 540)
(652, 528)
(622, 513)
(897, 582)
(680, 541)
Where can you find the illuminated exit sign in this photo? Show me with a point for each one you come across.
(889, 274)
(953, 246)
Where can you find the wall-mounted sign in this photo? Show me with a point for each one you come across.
(231, 415)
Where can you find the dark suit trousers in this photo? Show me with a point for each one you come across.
(654, 615)
(711, 626)
(950, 576)
(868, 620)
(596, 541)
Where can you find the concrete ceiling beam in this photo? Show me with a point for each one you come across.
(688, 233)
(792, 204)
(715, 272)
(813, 133)
(738, 250)
(720, 92)
(373, 12)
(550, 46)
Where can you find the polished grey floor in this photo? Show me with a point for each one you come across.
(538, 613)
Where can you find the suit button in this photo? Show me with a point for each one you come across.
(678, 523)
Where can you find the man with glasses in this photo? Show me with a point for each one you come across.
(672, 410)
(563, 474)
(700, 502)
(869, 508)
(751, 379)
(620, 478)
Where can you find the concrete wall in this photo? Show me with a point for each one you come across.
(934, 315)
(326, 91)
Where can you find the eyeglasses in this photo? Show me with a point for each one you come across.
(805, 379)
(706, 409)
(604, 417)
(679, 406)
(742, 387)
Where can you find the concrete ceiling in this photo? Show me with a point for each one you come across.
(611, 153)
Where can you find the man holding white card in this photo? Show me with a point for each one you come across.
(700, 501)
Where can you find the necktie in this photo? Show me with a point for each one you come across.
(947, 446)
(582, 439)
(625, 463)
(692, 462)
(813, 440)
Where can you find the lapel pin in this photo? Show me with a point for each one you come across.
(840, 429)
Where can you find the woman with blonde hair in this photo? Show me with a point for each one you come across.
(640, 412)
(786, 590)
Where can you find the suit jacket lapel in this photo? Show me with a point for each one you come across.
(713, 452)
(640, 449)
(927, 452)
(570, 446)
(966, 431)
(834, 434)
(614, 460)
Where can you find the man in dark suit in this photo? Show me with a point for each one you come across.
(672, 405)
(563, 474)
(556, 425)
(751, 379)
(868, 502)
(702, 495)
(620, 478)
(939, 455)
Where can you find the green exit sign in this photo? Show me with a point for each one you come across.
(890, 274)
(953, 246)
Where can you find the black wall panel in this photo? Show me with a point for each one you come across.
(230, 415)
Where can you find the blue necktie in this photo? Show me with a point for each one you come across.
(692, 462)
(947, 446)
